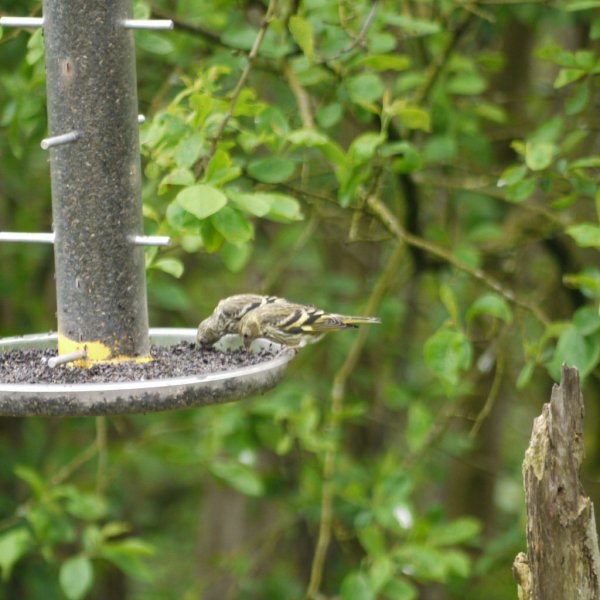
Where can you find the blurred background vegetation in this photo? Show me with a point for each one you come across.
(433, 162)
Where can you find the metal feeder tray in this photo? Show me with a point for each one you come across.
(94, 399)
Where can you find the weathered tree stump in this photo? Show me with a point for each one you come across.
(563, 560)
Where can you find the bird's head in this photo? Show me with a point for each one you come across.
(208, 333)
(249, 330)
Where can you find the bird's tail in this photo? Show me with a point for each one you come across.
(353, 321)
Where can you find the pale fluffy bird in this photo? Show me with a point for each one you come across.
(294, 324)
(227, 314)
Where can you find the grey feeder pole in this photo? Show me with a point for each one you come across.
(96, 179)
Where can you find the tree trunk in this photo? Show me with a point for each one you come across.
(563, 561)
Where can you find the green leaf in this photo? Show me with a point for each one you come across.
(586, 162)
(271, 121)
(586, 235)
(232, 225)
(302, 33)
(539, 155)
(448, 352)
(76, 577)
(114, 529)
(520, 191)
(257, 204)
(363, 147)
(467, 84)
(400, 589)
(221, 169)
(457, 563)
(525, 375)
(86, 506)
(420, 421)
(307, 137)
(128, 556)
(381, 571)
(356, 586)
(577, 5)
(284, 209)
(329, 115)
(409, 159)
(238, 476)
(413, 25)
(588, 281)
(579, 100)
(179, 218)
(586, 320)
(493, 305)
(154, 43)
(312, 138)
(240, 36)
(575, 350)
(168, 294)
(211, 238)
(35, 47)
(178, 176)
(412, 117)
(235, 256)
(448, 299)
(201, 200)
(386, 62)
(272, 169)
(364, 88)
(172, 266)
(456, 532)
(31, 478)
(512, 175)
(372, 539)
(567, 76)
(14, 544)
(189, 149)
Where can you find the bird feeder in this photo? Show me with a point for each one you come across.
(98, 238)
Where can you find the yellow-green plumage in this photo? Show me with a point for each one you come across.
(294, 324)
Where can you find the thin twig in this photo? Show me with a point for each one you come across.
(240, 85)
(389, 221)
(301, 95)
(102, 455)
(491, 399)
(279, 267)
(338, 392)
(65, 472)
(197, 30)
(437, 67)
(359, 39)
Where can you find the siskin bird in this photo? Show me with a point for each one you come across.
(227, 314)
(294, 324)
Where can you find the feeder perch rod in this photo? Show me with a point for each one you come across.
(66, 358)
(21, 21)
(148, 24)
(48, 238)
(151, 240)
(36, 238)
(58, 140)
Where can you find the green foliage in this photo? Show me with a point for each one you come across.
(57, 519)
(356, 127)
